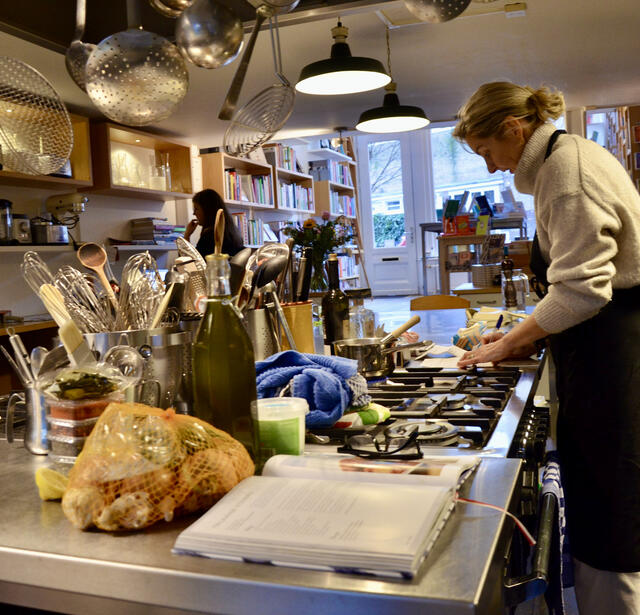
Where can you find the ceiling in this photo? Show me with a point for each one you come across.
(589, 49)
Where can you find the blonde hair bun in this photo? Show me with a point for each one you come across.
(483, 115)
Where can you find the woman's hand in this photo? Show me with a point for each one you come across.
(487, 352)
(191, 226)
(494, 349)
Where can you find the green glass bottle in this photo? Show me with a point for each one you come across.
(224, 373)
(335, 306)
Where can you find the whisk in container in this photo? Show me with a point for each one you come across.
(35, 271)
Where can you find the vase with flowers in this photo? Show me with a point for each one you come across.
(324, 238)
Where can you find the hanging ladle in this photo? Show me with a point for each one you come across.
(78, 53)
(93, 256)
(266, 9)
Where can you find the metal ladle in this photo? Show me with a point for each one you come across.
(209, 34)
(264, 10)
(436, 11)
(78, 53)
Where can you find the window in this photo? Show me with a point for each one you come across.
(456, 169)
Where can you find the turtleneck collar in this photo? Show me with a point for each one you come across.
(532, 158)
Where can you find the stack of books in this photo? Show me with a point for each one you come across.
(155, 230)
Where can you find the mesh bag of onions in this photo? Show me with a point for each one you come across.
(141, 464)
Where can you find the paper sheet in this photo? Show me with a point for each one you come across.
(435, 358)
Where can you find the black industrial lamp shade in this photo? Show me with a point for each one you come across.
(342, 73)
(392, 117)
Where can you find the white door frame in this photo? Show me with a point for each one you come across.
(396, 271)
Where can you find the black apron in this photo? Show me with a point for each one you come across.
(598, 383)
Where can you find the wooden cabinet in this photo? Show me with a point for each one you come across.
(80, 160)
(131, 163)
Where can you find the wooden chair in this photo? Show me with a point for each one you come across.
(438, 302)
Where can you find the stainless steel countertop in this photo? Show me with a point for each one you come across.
(46, 563)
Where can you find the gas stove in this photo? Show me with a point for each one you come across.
(457, 408)
(453, 408)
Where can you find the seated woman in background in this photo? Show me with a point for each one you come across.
(206, 205)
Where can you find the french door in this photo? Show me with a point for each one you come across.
(388, 209)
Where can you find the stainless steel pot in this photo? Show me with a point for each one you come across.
(163, 352)
(375, 358)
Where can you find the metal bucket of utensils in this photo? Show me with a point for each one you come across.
(163, 351)
(259, 326)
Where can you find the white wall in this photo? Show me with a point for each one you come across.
(105, 216)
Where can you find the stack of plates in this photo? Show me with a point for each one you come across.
(484, 276)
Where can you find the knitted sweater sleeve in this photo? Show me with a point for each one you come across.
(581, 230)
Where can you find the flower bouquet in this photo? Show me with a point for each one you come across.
(323, 238)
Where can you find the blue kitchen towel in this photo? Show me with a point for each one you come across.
(329, 384)
(560, 563)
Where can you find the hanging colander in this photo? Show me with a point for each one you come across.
(36, 136)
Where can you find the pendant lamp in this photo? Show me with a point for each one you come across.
(392, 116)
(342, 73)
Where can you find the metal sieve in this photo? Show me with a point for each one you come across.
(266, 113)
(36, 136)
(136, 77)
(436, 11)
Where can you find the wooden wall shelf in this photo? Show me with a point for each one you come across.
(105, 139)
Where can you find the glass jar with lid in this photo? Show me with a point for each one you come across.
(362, 321)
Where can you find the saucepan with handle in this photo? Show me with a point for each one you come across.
(375, 354)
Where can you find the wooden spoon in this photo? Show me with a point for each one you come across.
(93, 256)
(218, 231)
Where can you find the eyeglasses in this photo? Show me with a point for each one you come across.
(395, 447)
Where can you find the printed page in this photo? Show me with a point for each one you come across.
(322, 522)
(433, 470)
(438, 356)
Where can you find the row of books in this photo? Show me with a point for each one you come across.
(251, 188)
(252, 230)
(155, 230)
(342, 204)
(295, 196)
(281, 156)
(332, 170)
(347, 267)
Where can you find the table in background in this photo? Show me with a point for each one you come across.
(497, 223)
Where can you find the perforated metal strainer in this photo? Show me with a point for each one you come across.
(36, 136)
(136, 77)
(266, 113)
(436, 11)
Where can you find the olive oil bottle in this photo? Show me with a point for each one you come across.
(224, 373)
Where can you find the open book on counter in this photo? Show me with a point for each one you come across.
(331, 512)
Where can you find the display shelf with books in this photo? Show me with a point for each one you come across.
(242, 183)
(336, 199)
(294, 191)
(251, 229)
(155, 231)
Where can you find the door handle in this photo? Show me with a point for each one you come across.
(387, 259)
(535, 584)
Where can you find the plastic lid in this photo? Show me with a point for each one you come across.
(274, 408)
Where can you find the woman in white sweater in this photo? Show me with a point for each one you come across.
(587, 252)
